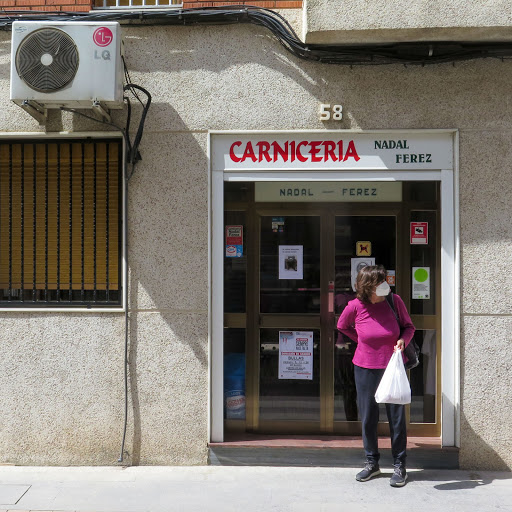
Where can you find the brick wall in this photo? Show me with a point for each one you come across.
(45, 5)
(85, 5)
(274, 4)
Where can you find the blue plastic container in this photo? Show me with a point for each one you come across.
(234, 386)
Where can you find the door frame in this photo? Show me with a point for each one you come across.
(450, 267)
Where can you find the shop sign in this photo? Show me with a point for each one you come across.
(326, 191)
(332, 150)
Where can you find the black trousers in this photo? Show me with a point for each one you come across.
(367, 381)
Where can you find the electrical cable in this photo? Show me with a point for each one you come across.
(135, 155)
(126, 334)
(129, 80)
(132, 156)
(416, 53)
(81, 114)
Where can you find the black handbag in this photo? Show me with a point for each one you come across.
(411, 351)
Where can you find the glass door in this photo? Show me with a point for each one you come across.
(289, 320)
(359, 240)
(288, 274)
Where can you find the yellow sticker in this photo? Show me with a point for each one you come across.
(363, 248)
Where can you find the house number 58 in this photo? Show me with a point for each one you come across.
(328, 112)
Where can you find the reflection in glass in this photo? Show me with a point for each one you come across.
(425, 256)
(235, 269)
(238, 191)
(423, 190)
(290, 295)
(287, 399)
(349, 230)
(234, 374)
(345, 396)
(423, 379)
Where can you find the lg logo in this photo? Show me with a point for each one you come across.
(104, 55)
(102, 36)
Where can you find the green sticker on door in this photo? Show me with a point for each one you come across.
(421, 283)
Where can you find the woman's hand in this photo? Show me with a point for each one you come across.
(400, 345)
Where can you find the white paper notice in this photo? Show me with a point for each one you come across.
(291, 262)
(421, 282)
(296, 355)
(356, 264)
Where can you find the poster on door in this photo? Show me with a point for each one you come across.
(421, 283)
(419, 233)
(291, 262)
(356, 264)
(296, 355)
(234, 241)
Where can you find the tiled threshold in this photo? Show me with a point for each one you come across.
(246, 449)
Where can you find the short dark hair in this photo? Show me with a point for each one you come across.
(367, 279)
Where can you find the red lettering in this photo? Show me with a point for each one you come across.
(292, 144)
(232, 155)
(263, 151)
(279, 151)
(340, 151)
(351, 152)
(315, 149)
(329, 150)
(249, 153)
(300, 156)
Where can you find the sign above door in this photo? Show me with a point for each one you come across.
(332, 150)
(328, 191)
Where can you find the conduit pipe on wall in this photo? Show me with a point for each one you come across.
(419, 53)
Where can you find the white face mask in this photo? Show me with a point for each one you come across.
(383, 289)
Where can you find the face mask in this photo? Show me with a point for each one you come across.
(382, 290)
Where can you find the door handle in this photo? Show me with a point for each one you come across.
(330, 298)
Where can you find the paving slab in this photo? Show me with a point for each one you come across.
(253, 488)
(10, 494)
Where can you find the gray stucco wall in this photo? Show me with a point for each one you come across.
(380, 21)
(63, 372)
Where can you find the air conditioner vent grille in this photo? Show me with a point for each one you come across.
(47, 60)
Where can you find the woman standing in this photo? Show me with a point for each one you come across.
(370, 321)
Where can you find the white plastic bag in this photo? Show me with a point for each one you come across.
(394, 387)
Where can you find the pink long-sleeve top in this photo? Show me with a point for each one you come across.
(375, 329)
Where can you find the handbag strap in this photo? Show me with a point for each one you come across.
(391, 302)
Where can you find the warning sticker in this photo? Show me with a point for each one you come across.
(419, 233)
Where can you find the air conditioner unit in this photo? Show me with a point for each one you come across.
(66, 64)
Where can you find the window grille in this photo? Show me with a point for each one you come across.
(136, 4)
(60, 223)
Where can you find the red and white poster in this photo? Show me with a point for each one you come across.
(419, 233)
(296, 355)
(234, 241)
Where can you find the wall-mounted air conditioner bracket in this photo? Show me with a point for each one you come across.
(36, 110)
(102, 111)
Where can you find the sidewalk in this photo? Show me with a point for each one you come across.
(248, 489)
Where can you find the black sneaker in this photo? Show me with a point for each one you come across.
(399, 477)
(370, 470)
